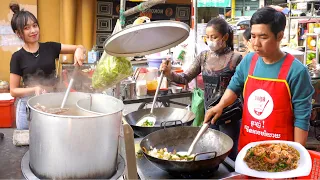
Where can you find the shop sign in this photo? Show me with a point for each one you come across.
(214, 3)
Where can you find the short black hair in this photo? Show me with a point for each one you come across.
(20, 18)
(268, 15)
(247, 34)
(223, 28)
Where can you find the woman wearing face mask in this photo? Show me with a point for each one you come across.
(247, 41)
(34, 63)
(217, 66)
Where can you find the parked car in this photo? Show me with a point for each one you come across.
(240, 23)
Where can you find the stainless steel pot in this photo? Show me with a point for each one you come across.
(81, 145)
(128, 89)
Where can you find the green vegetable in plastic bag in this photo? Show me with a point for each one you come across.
(110, 70)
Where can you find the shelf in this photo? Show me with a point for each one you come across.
(305, 17)
(311, 51)
(302, 1)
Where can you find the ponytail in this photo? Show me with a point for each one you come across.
(230, 38)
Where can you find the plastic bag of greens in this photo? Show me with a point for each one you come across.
(110, 70)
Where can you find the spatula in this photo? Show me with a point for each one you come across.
(151, 118)
(203, 129)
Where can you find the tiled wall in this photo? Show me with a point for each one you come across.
(108, 13)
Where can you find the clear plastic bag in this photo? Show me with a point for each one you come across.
(111, 70)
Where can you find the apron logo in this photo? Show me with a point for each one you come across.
(260, 104)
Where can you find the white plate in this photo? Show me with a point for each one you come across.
(303, 169)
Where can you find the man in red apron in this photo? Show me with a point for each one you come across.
(277, 89)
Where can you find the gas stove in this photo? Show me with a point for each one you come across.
(29, 175)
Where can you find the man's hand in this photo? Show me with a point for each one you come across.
(213, 114)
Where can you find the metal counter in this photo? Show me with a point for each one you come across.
(10, 157)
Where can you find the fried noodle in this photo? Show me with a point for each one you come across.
(272, 157)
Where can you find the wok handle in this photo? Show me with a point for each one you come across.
(28, 112)
(214, 152)
(164, 123)
(230, 115)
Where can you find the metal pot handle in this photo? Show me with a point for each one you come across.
(28, 112)
(214, 152)
(164, 124)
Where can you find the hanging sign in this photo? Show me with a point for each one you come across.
(214, 3)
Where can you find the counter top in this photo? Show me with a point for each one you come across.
(10, 157)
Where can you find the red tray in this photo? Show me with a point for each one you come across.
(315, 171)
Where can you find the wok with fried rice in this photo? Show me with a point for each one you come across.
(272, 157)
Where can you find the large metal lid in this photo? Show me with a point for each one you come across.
(147, 38)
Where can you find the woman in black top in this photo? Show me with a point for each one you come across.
(34, 63)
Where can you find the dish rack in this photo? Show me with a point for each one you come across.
(315, 171)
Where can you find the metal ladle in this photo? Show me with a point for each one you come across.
(62, 109)
(69, 87)
(151, 117)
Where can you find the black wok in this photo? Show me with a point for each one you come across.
(212, 148)
(166, 117)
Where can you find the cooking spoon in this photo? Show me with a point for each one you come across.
(203, 129)
(151, 118)
(69, 86)
(61, 109)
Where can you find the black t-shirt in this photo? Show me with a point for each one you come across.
(36, 69)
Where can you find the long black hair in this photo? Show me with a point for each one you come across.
(223, 28)
(20, 18)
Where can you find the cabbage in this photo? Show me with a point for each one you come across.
(110, 70)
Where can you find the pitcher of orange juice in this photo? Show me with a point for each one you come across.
(152, 85)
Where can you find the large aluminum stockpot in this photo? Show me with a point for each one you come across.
(81, 145)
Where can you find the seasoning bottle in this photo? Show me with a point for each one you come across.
(93, 55)
(141, 88)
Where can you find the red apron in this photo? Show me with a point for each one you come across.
(268, 112)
